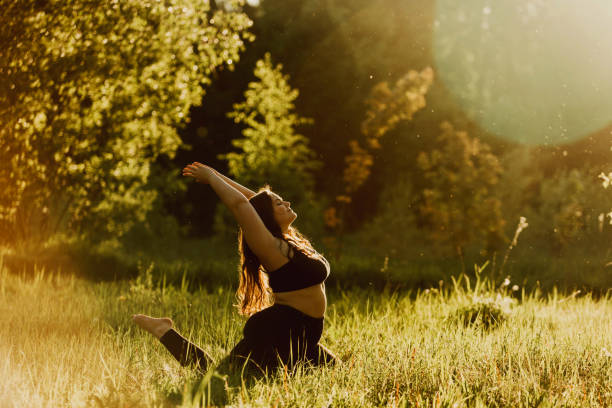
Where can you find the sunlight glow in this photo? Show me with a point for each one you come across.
(531, 71)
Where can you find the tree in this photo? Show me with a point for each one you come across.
(271, 151)
(90, 95)
(334, 52)
(570, 211)
(607, 179)
(457, 202)
(386, 108)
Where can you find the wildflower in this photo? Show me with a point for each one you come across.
(605, 352)
(520, 227)
(506, 283)
(607, 179)
(515, 288)
(385, 265)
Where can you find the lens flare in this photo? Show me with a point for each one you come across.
(531, 71)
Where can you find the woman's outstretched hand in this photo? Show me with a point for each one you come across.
(200, 172)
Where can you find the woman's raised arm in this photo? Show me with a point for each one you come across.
(228, 194)
(248, 193)
(260, 239)
(245, 191)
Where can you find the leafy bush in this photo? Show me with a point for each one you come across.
(457, 204)
(92, 94)
(394, 231)
(570, 211)
(487, 312)
(485, 306)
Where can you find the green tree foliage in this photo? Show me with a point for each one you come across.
(457, 202)
(606, 182)
(393, 230)
(571, 210)
(518, 184)
(335, 51)
(91, 94)
(271, 151)
(387, 106)
(602, 218)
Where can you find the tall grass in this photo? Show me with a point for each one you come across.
(69, 342)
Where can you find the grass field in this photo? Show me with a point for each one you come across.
(70, 342)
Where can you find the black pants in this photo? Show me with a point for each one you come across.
(276, 335)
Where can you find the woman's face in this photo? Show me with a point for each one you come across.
(283, 214)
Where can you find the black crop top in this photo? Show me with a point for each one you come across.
(300, 272)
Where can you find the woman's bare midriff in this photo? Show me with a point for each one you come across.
(310, 300)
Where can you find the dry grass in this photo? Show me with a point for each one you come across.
(66, 342)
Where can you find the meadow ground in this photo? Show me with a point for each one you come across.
(70, 342)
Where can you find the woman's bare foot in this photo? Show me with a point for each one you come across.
(156, 326)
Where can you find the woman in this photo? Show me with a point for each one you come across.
(273, 255)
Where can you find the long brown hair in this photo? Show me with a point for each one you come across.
(254, 293)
